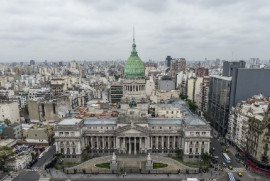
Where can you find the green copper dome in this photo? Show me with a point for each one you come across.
(134, 66)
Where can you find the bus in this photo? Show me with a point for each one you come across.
(226, 158)
(231, 177)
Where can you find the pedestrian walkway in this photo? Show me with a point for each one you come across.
(43, 179)
(235, 170)
(210, 175)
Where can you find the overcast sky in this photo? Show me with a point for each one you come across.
(57, 30)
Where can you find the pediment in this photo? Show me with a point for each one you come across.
(132, 131)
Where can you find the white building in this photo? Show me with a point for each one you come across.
(10, 111)
(254, 107)
(18, 162)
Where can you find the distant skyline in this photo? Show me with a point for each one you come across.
(102, 30)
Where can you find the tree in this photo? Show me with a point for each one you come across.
(192, 106)
(7, 121)
(179, 153)
(5, 153)
(205, 158)
(183, 97)
(116, 77)
(26, 109)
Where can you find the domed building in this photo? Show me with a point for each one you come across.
(134, 85)
(134, 67)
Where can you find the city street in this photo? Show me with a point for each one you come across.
(45, 157)
(237, 166)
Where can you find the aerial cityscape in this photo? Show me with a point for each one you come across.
(134, 90)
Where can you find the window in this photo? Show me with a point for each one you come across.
(190, 143)
(197, 133)
(153, 127)
(203, 142)
(35, 134)
(190, 150)
(170, 127)
(160, 127)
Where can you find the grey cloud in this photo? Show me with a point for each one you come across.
(85, 29)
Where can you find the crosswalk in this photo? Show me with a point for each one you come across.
(44, 179)
(8, 179)
(235, 170)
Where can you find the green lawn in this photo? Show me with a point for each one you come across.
(192, 164)
(159, 165)
(103, 165)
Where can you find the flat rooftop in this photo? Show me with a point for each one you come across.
(96, 121)
(71, 121)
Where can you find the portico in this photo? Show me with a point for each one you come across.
(133, 144)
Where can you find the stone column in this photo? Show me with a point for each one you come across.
(129, 150)
(92, 145)
(108, 142)
(135, 151)
(124, 144)
(168, 142)
(97, 142)
(140, 145)
(162, 142)
(179, 141)
(117, 143)
(173, 144)
(156, 142)
(103, 142)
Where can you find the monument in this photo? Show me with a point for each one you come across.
(149, 163)
(113, 164)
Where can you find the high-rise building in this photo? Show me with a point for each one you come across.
(218, 102)
(116, 92)
(168, 61)
(249, 82)
(32, 62)
(178, 65)
(201, 71)
(203, 99)
(229, 66)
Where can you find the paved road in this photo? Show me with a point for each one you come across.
(218, 152)
(45, 157)
(27, 175)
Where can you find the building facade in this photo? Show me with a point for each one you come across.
(240, 116)
(132, 135)
(258, 141)
(116, 92)
(218, 103)
(10, 111)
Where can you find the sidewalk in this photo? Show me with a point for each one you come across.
(211, 175)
